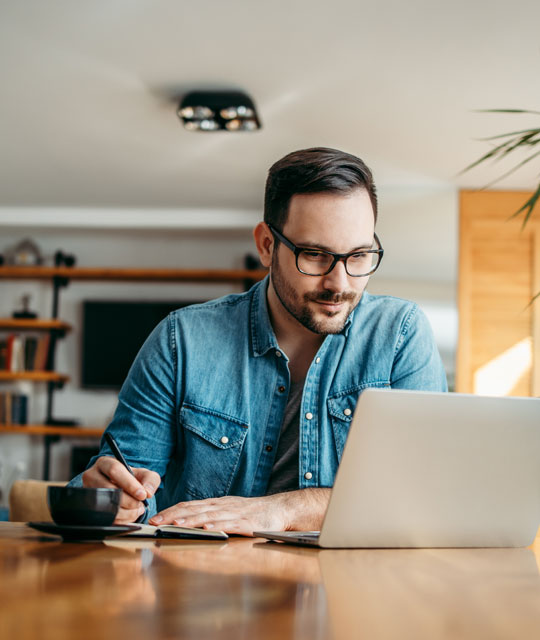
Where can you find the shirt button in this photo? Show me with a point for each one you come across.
(317, 360)
(278, 354)
(281, 389)
(347, 412)
(308, 475)
(309, 416)
(224, 440)
(269, 447)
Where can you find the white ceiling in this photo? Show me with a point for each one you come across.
(88, 110)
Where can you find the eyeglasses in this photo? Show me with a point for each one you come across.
(318, 262)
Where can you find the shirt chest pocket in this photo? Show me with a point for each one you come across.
(341, 408)
(212, 446)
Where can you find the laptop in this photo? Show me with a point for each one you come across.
(426, 469)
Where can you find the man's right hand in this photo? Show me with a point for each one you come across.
(108, 473)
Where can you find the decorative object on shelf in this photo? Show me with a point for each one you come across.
(24, 312)
(62, 259)
(62, 422)
(252, 262)
(218, 111)
(24, 254)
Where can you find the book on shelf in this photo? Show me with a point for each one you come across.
(17, 354)
(30, 349)
(172, 531)
(20, 353)
(42, 355)
(13, 408)
(3, 354)
(10, 340)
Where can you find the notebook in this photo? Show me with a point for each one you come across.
(174, 531)
(426, 469)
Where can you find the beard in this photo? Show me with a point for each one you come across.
(299, 307)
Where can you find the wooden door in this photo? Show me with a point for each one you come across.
(499, 274)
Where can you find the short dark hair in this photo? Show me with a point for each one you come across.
(315, 170)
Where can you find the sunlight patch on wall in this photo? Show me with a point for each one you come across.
(500, 376)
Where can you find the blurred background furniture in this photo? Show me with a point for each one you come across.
(28, 500)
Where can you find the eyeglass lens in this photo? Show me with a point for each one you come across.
(317, 263)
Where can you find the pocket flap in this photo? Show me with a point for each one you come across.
(221, 430)
(342, 405)
(341, 408)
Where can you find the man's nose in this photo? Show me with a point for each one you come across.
(337, 279)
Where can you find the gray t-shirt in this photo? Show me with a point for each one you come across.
(285, 470)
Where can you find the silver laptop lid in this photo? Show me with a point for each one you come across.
(424, 469)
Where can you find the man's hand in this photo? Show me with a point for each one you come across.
(109, 473)
(295, 510)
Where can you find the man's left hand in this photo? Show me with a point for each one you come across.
(302, 509)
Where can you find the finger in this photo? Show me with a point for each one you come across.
(240, 526)
(127, 516)
(127, 502)
(181, 511)
(150, 480)
(97, 479)
(188, 509)
(120, 476)
(201, 518)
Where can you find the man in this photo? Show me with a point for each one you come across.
(235, 413)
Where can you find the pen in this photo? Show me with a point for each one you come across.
(118, 455)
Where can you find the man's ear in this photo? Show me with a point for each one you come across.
(264, 241)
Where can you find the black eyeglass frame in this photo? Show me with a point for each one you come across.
(336, 257)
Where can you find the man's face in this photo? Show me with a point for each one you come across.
(334, 222)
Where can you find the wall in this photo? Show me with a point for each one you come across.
(418, 229)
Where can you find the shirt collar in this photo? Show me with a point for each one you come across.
(262, 335)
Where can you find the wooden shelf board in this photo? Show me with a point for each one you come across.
(34, 376)
(45, 430)
(131, 274)
(33, 325)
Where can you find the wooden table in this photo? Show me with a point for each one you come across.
(250, 589)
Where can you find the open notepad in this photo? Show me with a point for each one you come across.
(174, 531)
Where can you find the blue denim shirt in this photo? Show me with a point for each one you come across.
(204, 400)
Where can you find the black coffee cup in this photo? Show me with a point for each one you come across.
(83, 506)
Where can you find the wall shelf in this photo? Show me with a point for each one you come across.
(235, 276)
(38, 324)
(34, 376)
(45, 430)
(60, 277)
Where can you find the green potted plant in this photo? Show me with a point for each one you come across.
(508, 143)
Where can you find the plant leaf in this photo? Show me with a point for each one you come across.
(528, 207)
(515, 140)
(531, 301)
(500, 150)
(511, 133)
(523, 141)
(487, 156)
(512, 170)
(507, 111)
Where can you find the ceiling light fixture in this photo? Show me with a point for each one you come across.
(218, 110)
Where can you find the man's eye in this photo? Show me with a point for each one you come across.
(314, 255)
(359, 257)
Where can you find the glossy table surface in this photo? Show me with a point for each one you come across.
(247, 588)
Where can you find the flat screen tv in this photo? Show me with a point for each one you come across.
(113, 332)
